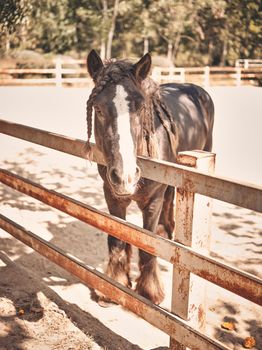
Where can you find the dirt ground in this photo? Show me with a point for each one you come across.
(44, 307)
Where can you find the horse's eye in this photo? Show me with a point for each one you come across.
(138, 103)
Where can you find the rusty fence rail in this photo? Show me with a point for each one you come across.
(239, 282)
(188, 260)
(160, 318)
(235, 192)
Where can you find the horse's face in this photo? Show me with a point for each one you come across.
(117, 122)
(117, 129)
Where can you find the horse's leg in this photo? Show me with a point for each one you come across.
(119, 251)
(149, 284)
(118, 266)
(166, 222)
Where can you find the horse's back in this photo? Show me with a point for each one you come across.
(193, 113)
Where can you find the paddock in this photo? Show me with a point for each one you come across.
(78, 178)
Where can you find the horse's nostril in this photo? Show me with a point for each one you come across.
(114, 176)
(138, 172)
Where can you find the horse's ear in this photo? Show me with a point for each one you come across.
(94, 64)
(142, 67)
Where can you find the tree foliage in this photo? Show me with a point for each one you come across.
(192, 32)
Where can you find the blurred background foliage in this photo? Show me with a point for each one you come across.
(183, 33)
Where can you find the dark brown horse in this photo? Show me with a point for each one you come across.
(135, 116)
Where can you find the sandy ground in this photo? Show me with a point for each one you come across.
(41, 305)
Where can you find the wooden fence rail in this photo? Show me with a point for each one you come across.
(73, 72)
(187, 258)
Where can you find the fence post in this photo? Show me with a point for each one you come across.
(206, 77)
(246, 63)
(58, 72)
(238, 76)
(182, 75)
(157, 74)
(192, 228)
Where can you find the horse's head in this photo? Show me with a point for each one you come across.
(117, 99)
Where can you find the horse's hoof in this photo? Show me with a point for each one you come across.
(105, 303)
(161, 231)
(149, 286)
(156, 295)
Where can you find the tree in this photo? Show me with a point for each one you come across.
(97, 19)
(52, 28)
(192, 32)
(212, 31)
(13, 18)
(171, 17)
(244, 23)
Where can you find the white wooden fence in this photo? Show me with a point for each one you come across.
(248, 63)
(73, 72)
(188, 253)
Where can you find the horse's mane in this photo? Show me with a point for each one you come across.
(113, 72)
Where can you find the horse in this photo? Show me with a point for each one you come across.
(135, 116)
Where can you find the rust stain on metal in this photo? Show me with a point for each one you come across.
(175, 259)
(155, 315)
(201, 316)
(189, 185)
(241, 286)
(76, 209)
(234, 192)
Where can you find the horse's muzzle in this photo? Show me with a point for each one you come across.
(123, 184)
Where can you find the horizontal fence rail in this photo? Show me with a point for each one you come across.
(239, 193)
(246, 63)
(74, 72)
(186, 258)
(238, 282)
(160, 318)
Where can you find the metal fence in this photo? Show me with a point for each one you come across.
(187, 253)
(73, 73)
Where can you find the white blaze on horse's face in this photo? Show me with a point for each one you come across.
(126, 142)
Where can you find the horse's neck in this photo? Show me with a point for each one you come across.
(148, 143)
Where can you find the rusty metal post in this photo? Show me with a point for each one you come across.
(192, 218)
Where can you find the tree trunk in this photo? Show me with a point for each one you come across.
(210, 53)
(103, 40)
(112, 30)
(103, 50)
(176, 46)
(7, 43)
(146, 45)
(224, 53)
(170, 51)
